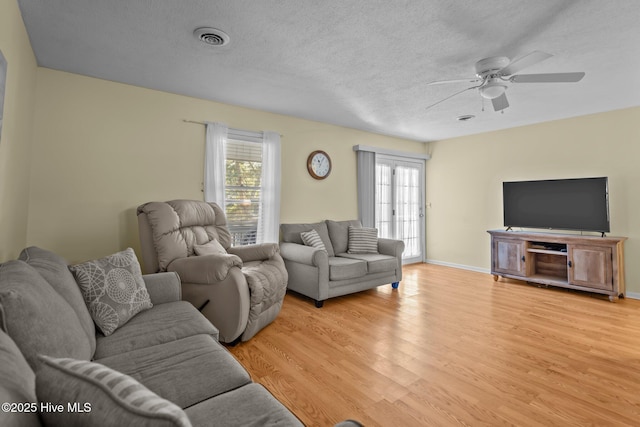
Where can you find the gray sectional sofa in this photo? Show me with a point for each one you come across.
(322, 274)
(177, 373)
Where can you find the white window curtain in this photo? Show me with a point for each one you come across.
(214, 163)
(269, 216)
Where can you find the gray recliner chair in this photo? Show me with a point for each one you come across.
(239, 289)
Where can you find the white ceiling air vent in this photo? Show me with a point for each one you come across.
(211, 36)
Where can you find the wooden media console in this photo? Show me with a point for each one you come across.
(587, 263)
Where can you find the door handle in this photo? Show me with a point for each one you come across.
(523, 258)
(570, 264)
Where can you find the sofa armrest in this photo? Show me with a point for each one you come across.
(304, 254)
(391, 247)
(259, 252)
(206, 269)
(163, 287)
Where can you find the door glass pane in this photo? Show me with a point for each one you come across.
(384, 201)
(407, 190)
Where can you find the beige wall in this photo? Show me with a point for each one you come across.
(100, 149)
(103, 148)
(15, 141)
(465, 175)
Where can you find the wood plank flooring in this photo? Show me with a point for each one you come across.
(452, 347)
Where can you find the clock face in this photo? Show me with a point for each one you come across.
(319, 164)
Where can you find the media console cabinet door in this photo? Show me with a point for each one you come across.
(509, 256)
(591, 266)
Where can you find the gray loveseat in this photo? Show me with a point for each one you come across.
(322, 274)
(171, 349)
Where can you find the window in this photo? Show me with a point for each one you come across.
(243, 166)
(242, 175)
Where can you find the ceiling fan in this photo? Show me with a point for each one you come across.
(493, 76)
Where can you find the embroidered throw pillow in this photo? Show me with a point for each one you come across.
(211, 248)
(100, 396)
(312, 238)
(363, 240)
(113, 289)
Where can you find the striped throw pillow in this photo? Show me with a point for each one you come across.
(101, 397)
(312, 238)
(363, 240)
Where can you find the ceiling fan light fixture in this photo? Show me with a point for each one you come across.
(493, 89)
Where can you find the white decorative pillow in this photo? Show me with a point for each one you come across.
(363, 240)
(211, 248)
(312, 238)
(100, 396)
(113, 289)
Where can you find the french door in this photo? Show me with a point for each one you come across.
(399, 201)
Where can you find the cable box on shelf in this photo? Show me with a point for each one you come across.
(559, 247)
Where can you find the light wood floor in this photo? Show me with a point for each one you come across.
(453, 347)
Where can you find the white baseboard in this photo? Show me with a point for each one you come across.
(631, 295)
(460, 266)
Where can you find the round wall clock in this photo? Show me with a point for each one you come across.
(319, 164)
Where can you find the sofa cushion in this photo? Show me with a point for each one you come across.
(376, 263)
(291, 233)
(345, 268)
(164, 323)
(55, 271)
(211, 248)
(113, 289)
(312, 238)
(37, 318)
(363, 240)
(113, 399)
(17, 385)
(185, 372)
(248, 406)
(339, 233)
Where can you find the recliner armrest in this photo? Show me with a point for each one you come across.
(163, 287)
(259, 252)
(206, 269)
(303, 254)
(390, 247)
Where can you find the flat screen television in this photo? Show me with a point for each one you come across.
(563, 204)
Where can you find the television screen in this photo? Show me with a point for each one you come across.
(565, 204)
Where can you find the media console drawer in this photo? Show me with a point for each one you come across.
(587, 263)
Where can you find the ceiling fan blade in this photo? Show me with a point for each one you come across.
(442, 82)
(500, 103)
(451, 96)
(547, 78)
(524, 62)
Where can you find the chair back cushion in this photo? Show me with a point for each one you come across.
(339, 234)
(37, 318)
(291, 233)
(17, 385)
(175, 227)
(55, 270)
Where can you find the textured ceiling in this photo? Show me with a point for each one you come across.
(363, 64)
